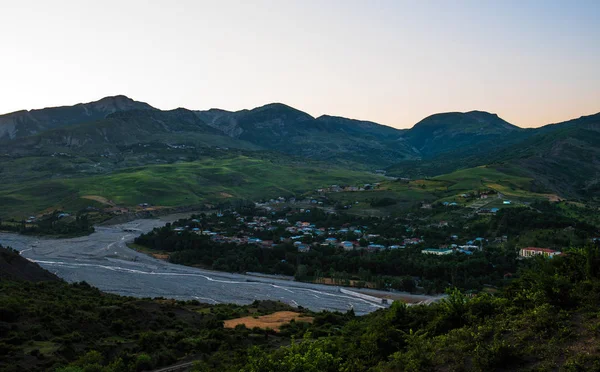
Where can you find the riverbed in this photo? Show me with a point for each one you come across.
(103, 260)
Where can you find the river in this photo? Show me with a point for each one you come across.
(103, 260)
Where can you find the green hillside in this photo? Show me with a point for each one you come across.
(178, 184)
(398, 195)
(446, 132)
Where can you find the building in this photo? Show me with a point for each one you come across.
(348, 246)
(303, 248)
(534, 251)
(438, 252)
(375, 247)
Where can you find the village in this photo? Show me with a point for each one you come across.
(291, 221)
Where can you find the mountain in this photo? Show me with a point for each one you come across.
(563, 158)
(282, 128)
(26, 123)
(445, 132)
(563, 155)
(125, 128)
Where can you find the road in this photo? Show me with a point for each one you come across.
(103, 260)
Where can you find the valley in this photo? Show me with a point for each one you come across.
(343, 241)
(104, 261)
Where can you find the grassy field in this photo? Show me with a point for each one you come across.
(178, 184)
(443, 188)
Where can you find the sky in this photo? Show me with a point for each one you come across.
(392, 62)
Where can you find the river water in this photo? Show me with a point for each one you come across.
(103, 260)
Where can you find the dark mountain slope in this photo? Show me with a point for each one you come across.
(15, 267)
(359, 127)
(26, 123)
(566, 159)
(563, 157)
(125, 128)
(282, 128)
(446, 132)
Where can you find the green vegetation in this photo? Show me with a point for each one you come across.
(499, 237)
(58, 224)
(208, 180)
(462, 187)
(545, 318)
(49, 326)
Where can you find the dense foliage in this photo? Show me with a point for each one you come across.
(57, 223)
(545, 319)
(44, 326)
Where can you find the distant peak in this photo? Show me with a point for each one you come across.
(219, 110)
(120, 102)
(276, 106)
(478, 112)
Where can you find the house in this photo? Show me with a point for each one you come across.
(438, 252)
(267, 243)
(484, 196)
(469, 247)
(397, 246)
(331, 241)
(375, 247)
(506, 202)
(494, 210)
(303, 248)
(348, 246)
(534, 251)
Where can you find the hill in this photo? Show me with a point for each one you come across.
(563, 158)
(210, 179)
(445, 132)
(26, 123)
(15, 267)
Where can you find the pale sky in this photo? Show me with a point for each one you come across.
(392, 62)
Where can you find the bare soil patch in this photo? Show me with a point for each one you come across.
(273, 321)
(99, 199)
